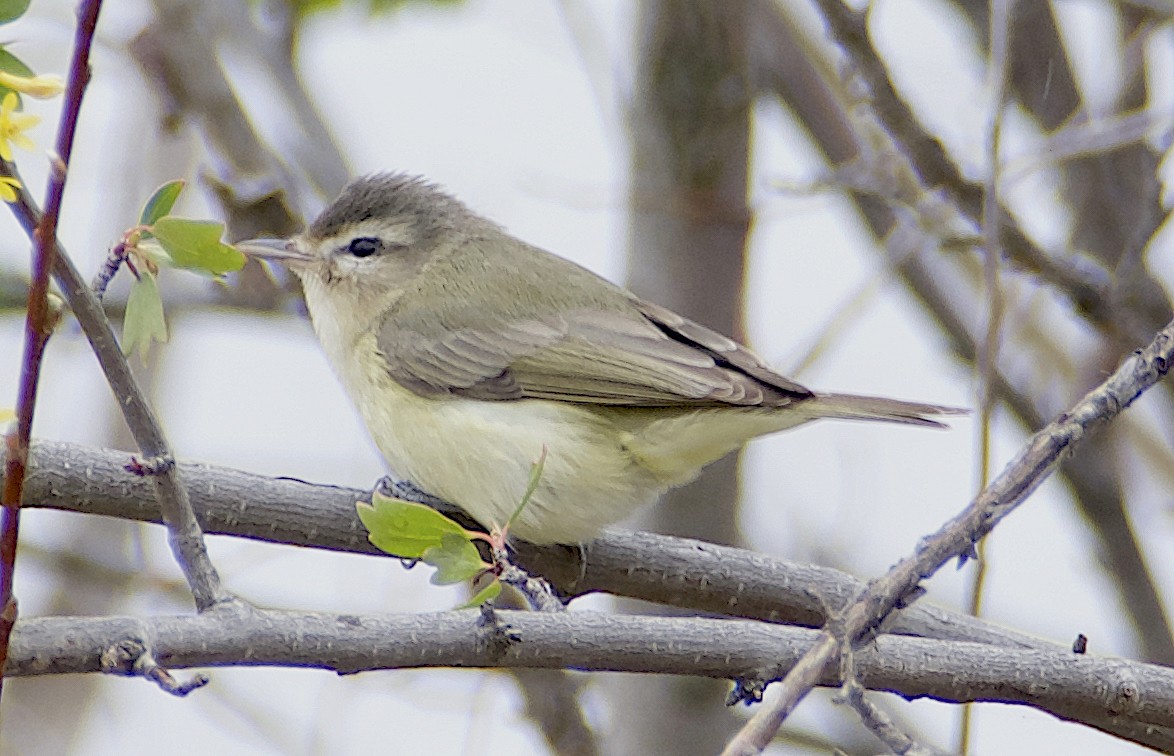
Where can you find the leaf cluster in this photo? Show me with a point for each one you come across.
(164, 240)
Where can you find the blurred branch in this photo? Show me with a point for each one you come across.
(262, 190)
(991, 222)
(689, 132)
(935, 169)
(956, 539)
(1130, 699)
(915, 222)
(552, 704)
(1087, 138)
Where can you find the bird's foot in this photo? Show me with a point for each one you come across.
(540, 594)
(406, 490)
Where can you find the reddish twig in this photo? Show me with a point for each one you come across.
(38, 321)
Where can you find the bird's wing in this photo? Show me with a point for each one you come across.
(640, 356)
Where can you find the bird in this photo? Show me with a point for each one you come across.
(470, 354)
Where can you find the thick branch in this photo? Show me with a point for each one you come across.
(678, 571)
(1069, 686)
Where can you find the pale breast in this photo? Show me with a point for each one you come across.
(478, 454)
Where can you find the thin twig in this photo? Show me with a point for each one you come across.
(1035, 461)
(38, 319)
(538, 592)
(184, 533)
(109, 269)
(882, 726)
(988, 353)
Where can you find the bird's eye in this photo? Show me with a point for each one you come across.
(364, 246)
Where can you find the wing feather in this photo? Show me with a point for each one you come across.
(645, 356)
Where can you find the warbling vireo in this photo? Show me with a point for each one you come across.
(467, 350)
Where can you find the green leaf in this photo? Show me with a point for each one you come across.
(196, 245)
(10, 10)
(405, 528)
(150, 248)
(143, 323)
(456, 559)
(161, 202)
(531, 486)
(488, 593)
(12, 64)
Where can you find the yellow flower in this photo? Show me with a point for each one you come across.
(42, 87)
(12, 126)
(8, 187)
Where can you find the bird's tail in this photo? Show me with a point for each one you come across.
(852, 407)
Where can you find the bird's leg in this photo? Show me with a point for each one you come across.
(406, 490)
(539, 593)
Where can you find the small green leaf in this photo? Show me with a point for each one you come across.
(488, 593)
(143, 323)
(404, 528)
(10, 10)
(161, 202)
(456, 560)
(196, 245)
(151, 249)
(531, 486)
(11, 64)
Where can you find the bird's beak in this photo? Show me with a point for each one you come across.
(278, 250)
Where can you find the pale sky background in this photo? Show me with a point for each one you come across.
(493, 100)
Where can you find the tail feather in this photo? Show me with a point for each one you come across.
(853, 407)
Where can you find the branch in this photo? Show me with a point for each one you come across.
(38, 319)
(1135, 697)
(663, 569)
(170, 494)
(891, 203)
(552, 704)
(642, 565)
(956, 539)
(263, 188)
(1090, 291)
(656, 568)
